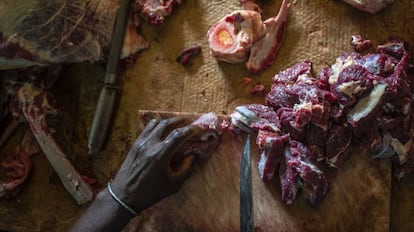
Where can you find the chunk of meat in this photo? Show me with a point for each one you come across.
(185, 55)
(263, 52)
(289, 179)
(271, 146)
(371, 6)
(359, 44)
(315, 183)
(155, 11)
(232, 36)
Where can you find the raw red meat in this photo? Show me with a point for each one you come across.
(360, 45)
(242, 33)
(263, 52)
(155, 11)
(232, 36)
(361, 100)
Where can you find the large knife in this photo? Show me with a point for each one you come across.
(246, 196)
(106, 101)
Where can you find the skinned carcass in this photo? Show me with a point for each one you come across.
(39, 32)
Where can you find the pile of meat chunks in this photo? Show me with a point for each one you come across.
(361, 101)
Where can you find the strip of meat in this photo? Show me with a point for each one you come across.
(263, 52)
(272, 145)
(35, 107)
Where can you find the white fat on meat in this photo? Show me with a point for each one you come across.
(371, 6)
(367, 104)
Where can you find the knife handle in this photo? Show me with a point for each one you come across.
(101, 120)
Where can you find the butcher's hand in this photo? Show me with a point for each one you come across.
(144, 178)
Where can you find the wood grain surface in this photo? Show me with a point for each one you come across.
(318, 30)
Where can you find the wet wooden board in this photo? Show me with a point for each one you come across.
(318, 30)
(358, 199)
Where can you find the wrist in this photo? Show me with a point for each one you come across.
(105, 196)
(120, 201)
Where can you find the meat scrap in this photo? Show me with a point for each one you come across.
(370, 6)
(242, 36)
(360, 44)
(362, 101)
(155, 11)
(185, 55)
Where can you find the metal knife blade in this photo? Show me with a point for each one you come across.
(246, 196)
(106, 101)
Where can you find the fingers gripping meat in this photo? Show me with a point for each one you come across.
(263, 52)
(232, 36)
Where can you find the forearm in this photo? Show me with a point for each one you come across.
(104, 214)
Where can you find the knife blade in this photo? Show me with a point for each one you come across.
(246, 197)
(105, 106)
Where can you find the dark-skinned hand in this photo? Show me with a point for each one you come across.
(145, 177)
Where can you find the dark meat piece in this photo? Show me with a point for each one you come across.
(315, 184)
(338, 144)
(185, 55)
(271, 146)
(289, 179)
(359, 44)
(232, 36)
(371, 6)
(263, 52)
(155, 11)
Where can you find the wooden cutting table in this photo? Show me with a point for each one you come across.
(318, 30)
